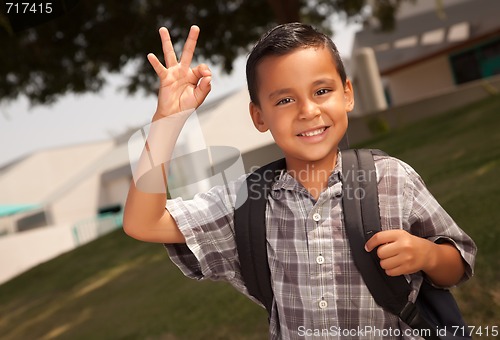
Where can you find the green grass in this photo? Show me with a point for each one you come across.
(119, 288)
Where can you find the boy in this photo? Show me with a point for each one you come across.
(299, 91)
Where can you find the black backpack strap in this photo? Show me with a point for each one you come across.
(250, 231)
(362, 221)
(361, 210)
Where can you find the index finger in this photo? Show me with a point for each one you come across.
(189, 46)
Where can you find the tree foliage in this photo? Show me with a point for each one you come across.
(73, 52)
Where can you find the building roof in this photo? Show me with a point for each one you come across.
(424, 35)
(36, 178)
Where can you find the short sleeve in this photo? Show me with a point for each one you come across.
(206, 221)
(428, 219)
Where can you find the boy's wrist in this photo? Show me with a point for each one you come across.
(444, 265)
(161, 113)
(157, 116)
(432, 251)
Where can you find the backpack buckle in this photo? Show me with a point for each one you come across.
(408, 313)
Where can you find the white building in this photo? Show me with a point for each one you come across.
(434, 49)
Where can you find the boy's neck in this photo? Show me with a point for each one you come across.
(313, 175)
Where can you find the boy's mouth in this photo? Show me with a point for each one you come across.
(312, 133)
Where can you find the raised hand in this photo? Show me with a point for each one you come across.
(182, 88)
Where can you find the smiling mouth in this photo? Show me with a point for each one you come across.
(313, 133)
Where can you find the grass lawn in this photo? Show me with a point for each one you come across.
(119, 288)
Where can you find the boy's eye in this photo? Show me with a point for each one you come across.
(284, 101)
(322, 92)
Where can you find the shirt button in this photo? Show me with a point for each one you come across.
(316, 217)
(323, 304)
(320, 259)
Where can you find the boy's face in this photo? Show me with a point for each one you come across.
(303, 103)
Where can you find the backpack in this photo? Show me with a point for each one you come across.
(435, 312)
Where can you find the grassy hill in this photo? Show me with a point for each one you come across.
(119, 288)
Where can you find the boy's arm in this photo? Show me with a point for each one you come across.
(145, 218)
(182, 90)
(402, 253)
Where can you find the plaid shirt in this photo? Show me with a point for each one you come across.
(318, 291)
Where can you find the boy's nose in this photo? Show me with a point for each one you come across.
(308, 110)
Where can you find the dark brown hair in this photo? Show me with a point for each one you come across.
(282, 40)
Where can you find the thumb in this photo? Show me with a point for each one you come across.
(369, 245)
(376, 240)
(203, 73)
(384, 237)
(203, 89)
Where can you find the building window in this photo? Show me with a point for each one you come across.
(491, 58)
(479, 62)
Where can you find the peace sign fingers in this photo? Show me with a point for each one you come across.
(187, 52)
(181, 87)
(169, 52)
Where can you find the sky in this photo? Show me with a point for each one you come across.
(76, 119)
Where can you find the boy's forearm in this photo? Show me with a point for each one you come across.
(153, 152)
(145, 217)
(446, 267)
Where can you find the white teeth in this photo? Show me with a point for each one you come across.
(313, 133)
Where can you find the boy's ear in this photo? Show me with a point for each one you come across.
(348, 96)
(256, 114)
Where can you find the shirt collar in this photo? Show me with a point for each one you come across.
(285, 181)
